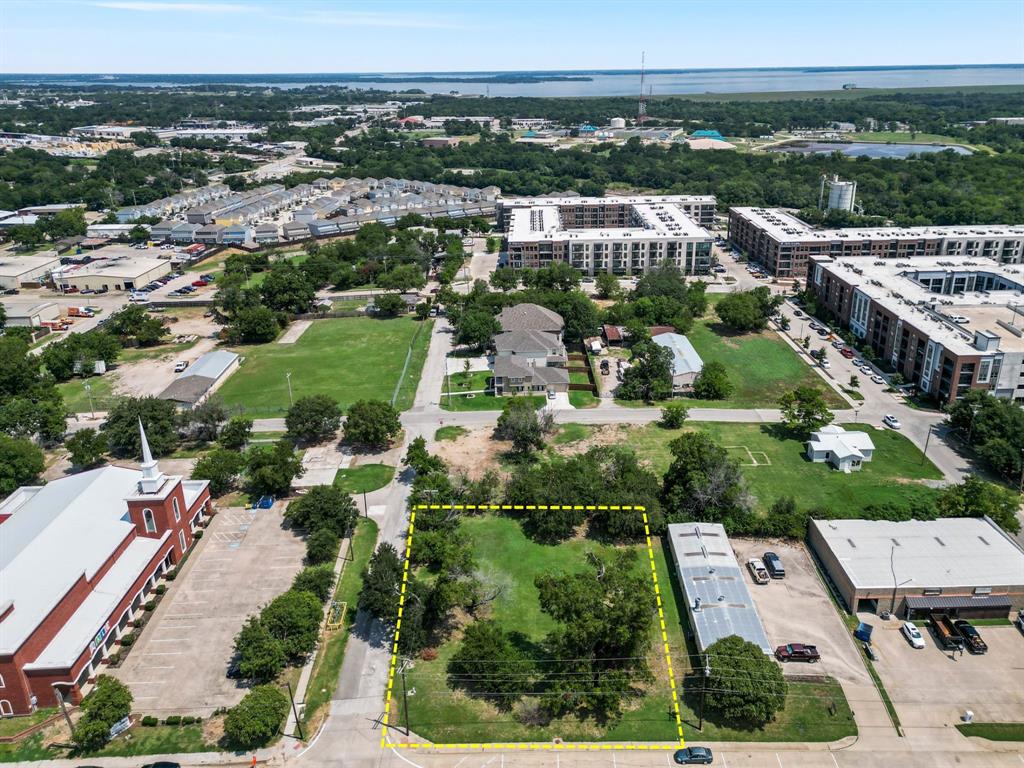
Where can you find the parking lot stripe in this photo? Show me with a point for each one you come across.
(164, 653)
(169, 640)
(144, 682)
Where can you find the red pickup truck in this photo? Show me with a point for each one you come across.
(798, 652)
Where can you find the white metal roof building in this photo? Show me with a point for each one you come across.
(686, 363)
(718, 603)
(199, 380)
(967, 565)
(16, 270)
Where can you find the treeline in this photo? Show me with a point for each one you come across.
(939, 188)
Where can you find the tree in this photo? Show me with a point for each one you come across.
(673, 415)
(489, 665)
(269, 471)
(257, 718)
(373, 423)
(381, 582)
(421, 460)
(159, 417)
(260, 655)
(649, 378)
(293, 618)
(205, 419)
(254, 325)
(389, 304)
(423, 310)
(313, 419)
(86, 447)
(712, 383)
(995, 427)
(324, 506)
(317, 579)
(221, 467)
(21, 462)
(287, 289)
(607, 285)
(107, 703)
(519, 423)
(138, 233)
(504, 279)
(805, 410)
(235, 434)
(402, 278)
(133, 322)
(703, 483)
(322, 546)
(33, 415)
(475, 328)
(748, 310)
(975, 497)
(745, 685)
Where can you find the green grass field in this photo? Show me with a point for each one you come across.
(350, 359)
(76, 399)
(891, 477)
(364, 478)
(571, 433)
(450, 433)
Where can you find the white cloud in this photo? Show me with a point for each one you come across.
(153, 6)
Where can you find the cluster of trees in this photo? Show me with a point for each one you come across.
(995, 428)
(66, 223)
(107, 703)
(746, 311)
(327, 515)
(30, 404)
(661, 297)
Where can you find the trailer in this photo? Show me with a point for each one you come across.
(946, 632)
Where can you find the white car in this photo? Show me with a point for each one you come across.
(180, 366)
(913, 634)
(891, 421)
(867, 369)
(878, 380)
(825, 364)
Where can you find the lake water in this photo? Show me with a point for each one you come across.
(599, 83)
(865, 149)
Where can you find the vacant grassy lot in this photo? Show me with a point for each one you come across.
(350, 359)
(570, 433)
(993, 731)
(450, 433)
(761, 366)
(76, 399)
(364, 478)
(782, 470)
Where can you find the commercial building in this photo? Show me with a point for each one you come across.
(686, 363)
(717, 600)
(946, 325)
(784, 245)
(620, 235)
(16, 271)
(197, 382)
(116, 273)
(32, 314)
(78, 556)
(966, 567)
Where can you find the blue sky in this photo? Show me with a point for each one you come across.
(235, 36)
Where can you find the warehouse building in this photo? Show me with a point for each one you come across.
(197, 382)
(619, 235)
(118, 273)
(967, 567)
(717, 600)
(30, 314)
(16, 271)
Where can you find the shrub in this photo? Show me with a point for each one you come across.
(255, 720)
(149, 605)
(172, 720)
(149, 721)
(160, 589)
(188, 720)
(318, 579)
(322, 546)
(172, 574)
(127, 640)
(197, 535)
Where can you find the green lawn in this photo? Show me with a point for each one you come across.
(328, 663)
(578, 378)
(450, 433)
(482, 402)
(579, 398)
(889, 478)
(364, 478)
(76, 399)
(570, 433)
(12, 726)
(157, 740)
(761, 366)
(459, 381)
(510, 560)
(350, 359)
(993, 731)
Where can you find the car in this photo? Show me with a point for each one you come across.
(878, 379)
(838, 344)
(180, 366)
(870, 652)
(891, 421)
(798, 652)
(199, 283)
(551, 395)
(693, 756)
(208, 278)
(797, 313)
(774, 565)
(867, 369)
(824, 363)
(959, 319)
(846, 352)
(913, 635)
(757, 571)
(971, 636)
(816, 327)
(822, 333)
(858, 363)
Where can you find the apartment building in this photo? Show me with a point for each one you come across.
(620, 235)
(784, 245)
(946, 325)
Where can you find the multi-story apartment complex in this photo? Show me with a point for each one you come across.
(620, 235)
(784, 245)
(947, 325)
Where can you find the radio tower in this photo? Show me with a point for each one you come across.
(641, 108)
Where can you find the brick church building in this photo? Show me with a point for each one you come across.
(78, 557)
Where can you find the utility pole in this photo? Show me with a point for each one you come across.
(288, 378)
(63, 706)
(927, 438)
(703, 689)
(295, 711)
(405, 695)
(88, 391)
(366, 509)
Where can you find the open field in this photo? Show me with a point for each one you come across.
(76, 399)
(892, 477)
(350, 359)
(364, 478)
(509, 559)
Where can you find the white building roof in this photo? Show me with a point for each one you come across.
(951, 552)
(56, 534)
(15, 266)
(120, 267)
(212, 365)
(684, 357)
(841, 443)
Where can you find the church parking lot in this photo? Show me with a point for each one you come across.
(243, 561)
(930, 688)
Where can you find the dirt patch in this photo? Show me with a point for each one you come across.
(474, 453)
(605, 434)
(151, 376)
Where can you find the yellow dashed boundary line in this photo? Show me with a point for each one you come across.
(385, 744)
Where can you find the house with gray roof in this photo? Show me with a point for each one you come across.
(531, 317)
(686, 363)
(516, 375)
(538, 346)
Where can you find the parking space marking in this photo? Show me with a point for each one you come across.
(778, 759)
(164, 653)
(834, 761)
(169, 640)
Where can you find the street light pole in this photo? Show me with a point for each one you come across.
(88, 391)
(703, 689)
(928, 437)
(288, 378)
(895, 586)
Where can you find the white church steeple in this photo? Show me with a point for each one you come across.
(152, 477)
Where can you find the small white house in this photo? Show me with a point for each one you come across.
(845, 451)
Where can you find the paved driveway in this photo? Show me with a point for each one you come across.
(244, 560)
